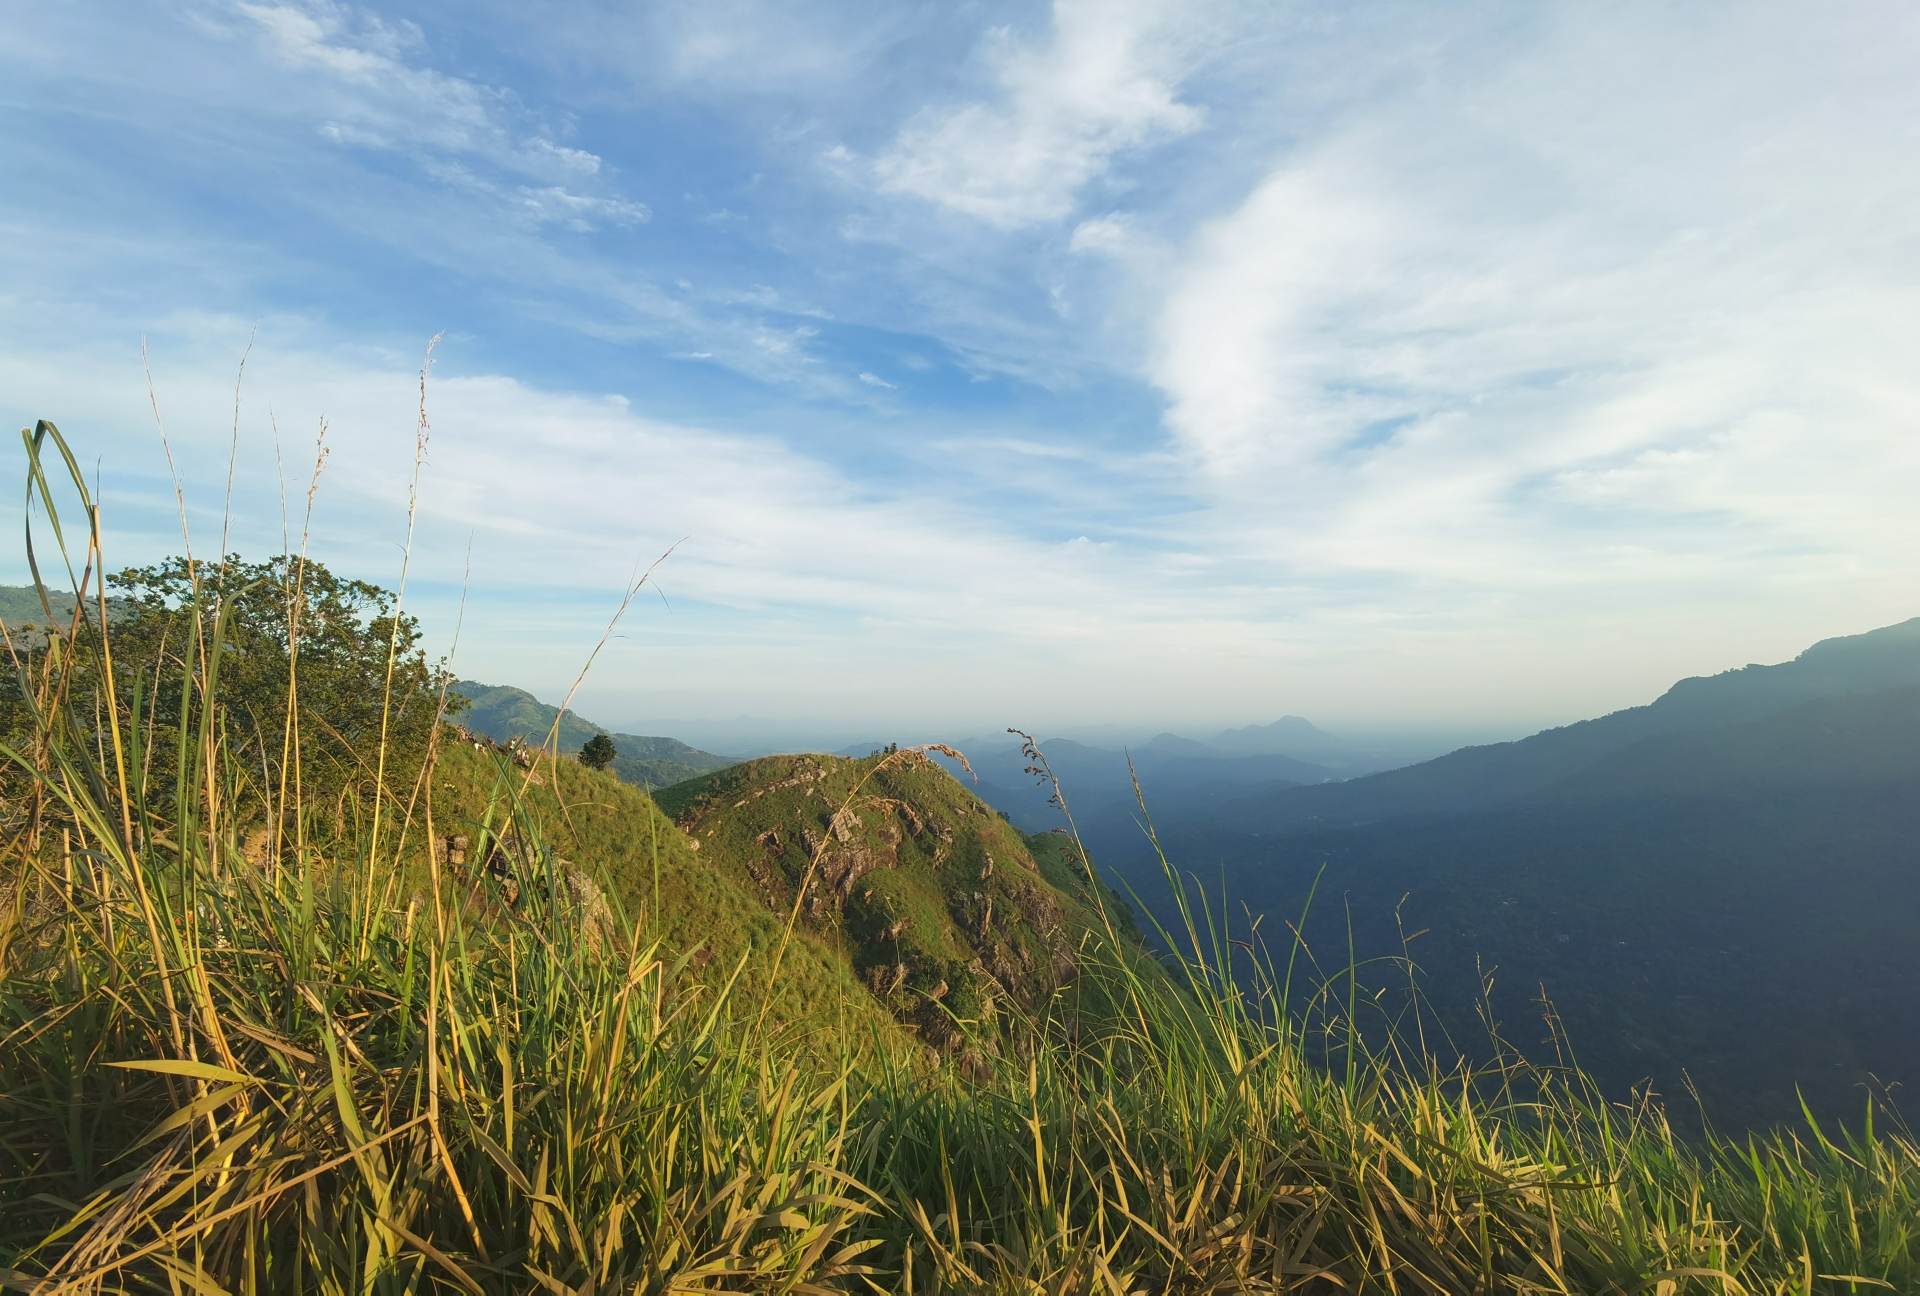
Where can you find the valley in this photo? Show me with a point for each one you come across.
(1706, 897)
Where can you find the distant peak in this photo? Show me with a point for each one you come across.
(1289, 722)
(1286, 724)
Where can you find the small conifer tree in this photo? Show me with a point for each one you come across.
(599, 752)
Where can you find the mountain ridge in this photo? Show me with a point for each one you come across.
(1482, 776)
(502, 712)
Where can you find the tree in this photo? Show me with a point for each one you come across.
(251, 637)
(599, 752)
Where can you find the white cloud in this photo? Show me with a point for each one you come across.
(579, 211)
(791, 570)
(567, 159)
(756, 46)
(373, 97)
(1107, 80)
(392, 103)
(319, 32)
(1503, 346)
(1627, 319)
(875, 380)
(1112, 235)
(868, 589)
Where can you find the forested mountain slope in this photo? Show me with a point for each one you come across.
(1854, 738)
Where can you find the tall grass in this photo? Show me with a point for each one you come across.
(350, 1068)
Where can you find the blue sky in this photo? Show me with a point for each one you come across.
(1170, 365)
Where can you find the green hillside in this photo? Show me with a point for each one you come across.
(922, 906)
(20, 607)
(944, 911)
(501, 712)
(700, 902)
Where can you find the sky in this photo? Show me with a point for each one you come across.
(1405, 366)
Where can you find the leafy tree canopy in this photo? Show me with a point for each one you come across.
(252, 636)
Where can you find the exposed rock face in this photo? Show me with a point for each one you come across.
(596, 915)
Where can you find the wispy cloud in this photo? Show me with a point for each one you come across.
(1548, 337)
(375, 96)
(1107, 79)
(574, 160)
(579, 211)
(393, 103)
(561, 492)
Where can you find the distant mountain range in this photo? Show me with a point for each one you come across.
(501, 712)
(1715, 890)
(1288, 736)
(1099, 783)
(1480, 777)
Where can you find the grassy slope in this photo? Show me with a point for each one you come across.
(706, 907)
(938, 905)
(224, 1069)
